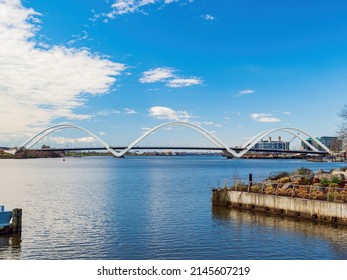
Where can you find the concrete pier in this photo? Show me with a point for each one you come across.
(324, 211)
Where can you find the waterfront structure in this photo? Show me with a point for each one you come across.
(318, 196)
(316, 210)
(272, 144)
(332, 142)
(10, 221)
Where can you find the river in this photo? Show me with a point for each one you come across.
(151, 208)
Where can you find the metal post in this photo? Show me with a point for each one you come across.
(16, 220)
(250, 179)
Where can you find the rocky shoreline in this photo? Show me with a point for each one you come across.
(301, 183)
(320, 196)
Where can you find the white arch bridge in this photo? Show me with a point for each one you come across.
(219, 145)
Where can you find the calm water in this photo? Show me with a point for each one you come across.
(151, 208)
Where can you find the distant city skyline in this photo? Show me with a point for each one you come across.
(120, 67)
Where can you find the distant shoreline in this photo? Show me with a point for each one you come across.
(30, 154)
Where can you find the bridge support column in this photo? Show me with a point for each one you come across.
(227, 155)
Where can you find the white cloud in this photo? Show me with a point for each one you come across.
(287, 113)
(208, 17)
(105, 113)
(244, 92)
(39, 84)
(262, 117)
(64, 140)
(212, 123)
(181, 82)
(165, 113)
(121, 7)
(157, 75)
(76, 38)
(102, 133)
(168, 75)
(130, 111)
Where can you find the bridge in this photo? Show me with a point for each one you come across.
(183, 148)
(237, 152)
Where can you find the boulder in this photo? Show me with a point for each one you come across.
(287, 186)
(342, 175)
(278, 175)
(302, 171)
(302, 175)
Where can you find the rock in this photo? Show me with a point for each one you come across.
(302, 171)
(341, 174)
(278, 175)
(287, 186)
(302, 176)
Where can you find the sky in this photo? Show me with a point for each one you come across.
(121, 67)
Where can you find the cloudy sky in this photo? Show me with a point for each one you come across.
(120, 67)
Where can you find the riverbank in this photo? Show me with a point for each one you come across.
(320, 196)
(25, 154)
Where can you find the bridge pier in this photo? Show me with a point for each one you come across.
(228, 155)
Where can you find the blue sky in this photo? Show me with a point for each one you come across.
(119, 67)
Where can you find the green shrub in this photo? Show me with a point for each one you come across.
(307, 181)
(336, 180)
(324, 182)
(301, 171)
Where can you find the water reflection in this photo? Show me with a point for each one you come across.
(335, 236)
(10, 246)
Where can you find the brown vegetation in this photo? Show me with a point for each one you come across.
(302, 183)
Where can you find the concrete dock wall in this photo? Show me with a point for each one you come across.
(281, 205)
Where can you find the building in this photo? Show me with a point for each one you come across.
(332, 142)
(273, 145)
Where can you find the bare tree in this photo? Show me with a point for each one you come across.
(342, 132)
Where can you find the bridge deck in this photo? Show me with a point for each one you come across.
(186, 148)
